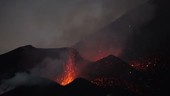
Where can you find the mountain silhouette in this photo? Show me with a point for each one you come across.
(112, 66)
(33, 61)
(35, 86)
(26, 58)
(79, 87)
(82, 87)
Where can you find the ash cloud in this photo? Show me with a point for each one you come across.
(49, 68)
(56, 23)
(151, 38)
(115, 37)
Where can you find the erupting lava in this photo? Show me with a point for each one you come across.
(69, 72)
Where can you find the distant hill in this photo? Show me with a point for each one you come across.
(112, 66)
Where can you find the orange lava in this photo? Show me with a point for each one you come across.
(69, 71)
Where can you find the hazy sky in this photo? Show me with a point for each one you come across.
(55, 23)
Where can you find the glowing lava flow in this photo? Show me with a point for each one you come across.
(69, 71)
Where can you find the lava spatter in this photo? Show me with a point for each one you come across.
(69, 71)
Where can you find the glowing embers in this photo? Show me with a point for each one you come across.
(69, 72)
(146, 63)
(113, 82)
(104, 82)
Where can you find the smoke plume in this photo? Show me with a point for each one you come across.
(56, 23)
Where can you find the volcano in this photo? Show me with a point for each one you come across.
(48, 63)
(62, 66)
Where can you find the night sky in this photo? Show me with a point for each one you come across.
(56, 23)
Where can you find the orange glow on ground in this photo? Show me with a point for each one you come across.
(106, 82)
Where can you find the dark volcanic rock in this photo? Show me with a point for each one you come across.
(79, 87)
(82, 87)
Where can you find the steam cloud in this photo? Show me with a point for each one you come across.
(48, 68)
(17, 80)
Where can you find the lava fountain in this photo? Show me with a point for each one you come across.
(70, 72)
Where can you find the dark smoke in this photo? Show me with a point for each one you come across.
(114, 38)
(56, 23)
(153, 37)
